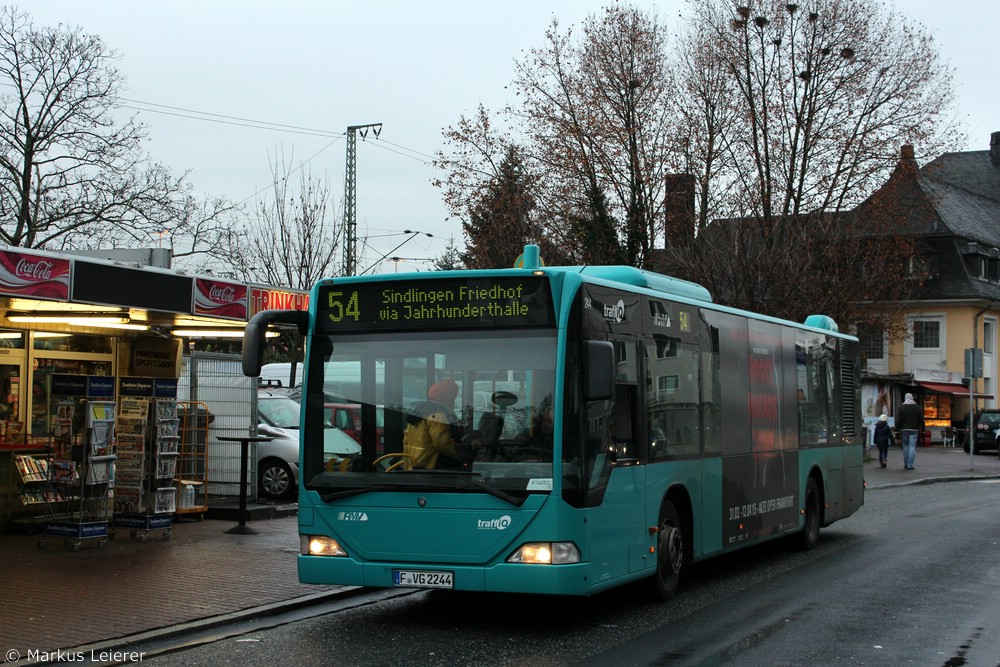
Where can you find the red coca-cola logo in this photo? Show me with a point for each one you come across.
(40, 270)
(222, 294)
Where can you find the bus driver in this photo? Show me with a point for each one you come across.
(428, 434)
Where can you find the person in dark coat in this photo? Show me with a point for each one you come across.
(909, 421)
(883, 438)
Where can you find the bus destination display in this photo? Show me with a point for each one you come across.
(435, 304)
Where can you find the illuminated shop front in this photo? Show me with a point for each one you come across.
(72, 329)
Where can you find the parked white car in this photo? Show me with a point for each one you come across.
(278, 460)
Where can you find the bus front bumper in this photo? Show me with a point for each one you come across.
(499, 578)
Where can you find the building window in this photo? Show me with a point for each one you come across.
(926, 334)
(668, 383)
(989, 331)
(621, 352)
(917, 267)
(872, 338)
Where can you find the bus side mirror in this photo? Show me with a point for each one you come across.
(598, 370)
(255, 333)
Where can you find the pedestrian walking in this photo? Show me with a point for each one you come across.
(909, 421)
(883, 437)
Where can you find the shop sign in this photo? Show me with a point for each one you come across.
(156, 357)
(100, 386)
(219, 298)
(69, 385)
(28, 275)
(135, 386)
(165, 388)
(262, 298)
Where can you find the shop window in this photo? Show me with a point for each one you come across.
(937, 410)
(73, 343)
(12, 339)
(44, 402)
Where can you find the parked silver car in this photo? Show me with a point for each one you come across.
(278, 460)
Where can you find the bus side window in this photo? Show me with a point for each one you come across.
(621, 431)
(672, 398)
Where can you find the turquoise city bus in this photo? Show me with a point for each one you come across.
(561, 430)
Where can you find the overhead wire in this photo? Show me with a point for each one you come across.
(254, 123)
(239, 121)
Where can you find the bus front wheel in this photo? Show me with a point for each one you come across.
(669, 552)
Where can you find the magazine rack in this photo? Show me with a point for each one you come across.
(78, 501)
(145, 498)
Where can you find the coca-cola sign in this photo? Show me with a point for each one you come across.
(25, 274)
(218, 298)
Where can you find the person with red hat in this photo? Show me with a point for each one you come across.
(428, 434)
(444, 392)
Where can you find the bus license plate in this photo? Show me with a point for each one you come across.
(423, 579)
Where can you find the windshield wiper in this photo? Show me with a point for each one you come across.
(513, 500)
(337, 495)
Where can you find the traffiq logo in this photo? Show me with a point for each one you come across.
(494, 524)
(615, 312)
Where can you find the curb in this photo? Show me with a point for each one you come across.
(931, 480)
(124, 643)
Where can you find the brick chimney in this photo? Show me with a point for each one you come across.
(995, 148)
(678, 205)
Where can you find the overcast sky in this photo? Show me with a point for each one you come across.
(414, 66)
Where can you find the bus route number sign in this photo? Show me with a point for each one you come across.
(423, 579)
(435, 304)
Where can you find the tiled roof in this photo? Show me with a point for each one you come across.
(963, 190)
(965, 213)
(972, 171)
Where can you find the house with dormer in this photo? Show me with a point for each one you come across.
(950, 209)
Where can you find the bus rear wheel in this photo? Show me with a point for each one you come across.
(810, 529)
(669, 552)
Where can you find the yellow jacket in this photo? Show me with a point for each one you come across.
(426, 440)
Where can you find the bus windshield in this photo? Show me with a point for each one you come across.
(436, 405)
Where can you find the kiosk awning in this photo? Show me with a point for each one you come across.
(949, 388)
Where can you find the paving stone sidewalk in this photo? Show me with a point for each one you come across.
(55, 598)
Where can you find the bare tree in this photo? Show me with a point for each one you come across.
(293, 240)
(787, 115)
(491, 189)
(71, 175)
(596, 111)
(803, 110)
(475, 151)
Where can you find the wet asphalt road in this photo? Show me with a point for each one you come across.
(912, 578)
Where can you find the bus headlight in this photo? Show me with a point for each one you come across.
(546, 553)
(320, 545)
